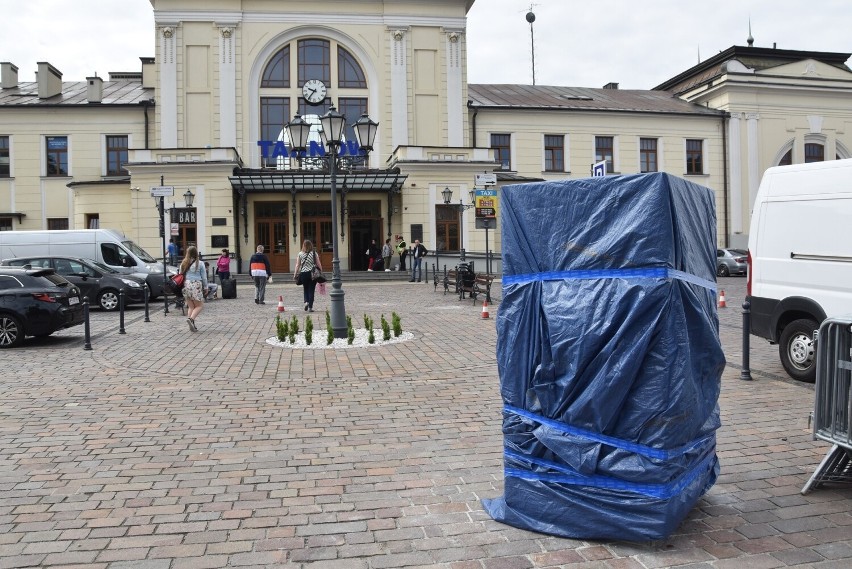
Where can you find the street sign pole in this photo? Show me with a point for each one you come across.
(161, 192)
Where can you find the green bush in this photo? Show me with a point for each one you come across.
(397, 324)
(309, 330)
(385, 329)
(280, 328)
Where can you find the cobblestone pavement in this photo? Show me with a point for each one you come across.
(165, 449)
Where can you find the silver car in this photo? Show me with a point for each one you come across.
(731, 262)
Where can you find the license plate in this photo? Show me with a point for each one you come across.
(73, 300)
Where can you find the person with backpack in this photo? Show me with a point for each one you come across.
(260, 272)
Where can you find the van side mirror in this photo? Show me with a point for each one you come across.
(128, 262)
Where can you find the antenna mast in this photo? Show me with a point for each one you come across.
(531, 19)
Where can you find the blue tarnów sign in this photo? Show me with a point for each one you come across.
(277, 148)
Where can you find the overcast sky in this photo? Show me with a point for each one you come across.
(583, 44)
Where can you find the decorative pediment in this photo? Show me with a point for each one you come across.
(807, 68)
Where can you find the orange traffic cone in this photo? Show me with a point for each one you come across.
(281, 304)
(485, 309)
(722, 303)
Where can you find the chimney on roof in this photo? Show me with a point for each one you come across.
(49, 80)
(95, 90)
(611, 85)
(8, 75)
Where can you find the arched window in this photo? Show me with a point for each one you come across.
(787, 159)
(287, 71)
(349, 73)
(277, 71)
(814, 152)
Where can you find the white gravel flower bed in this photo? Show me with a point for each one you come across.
(320, 338)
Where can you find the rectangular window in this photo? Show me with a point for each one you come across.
(274, 114)
(5, 224)
(93, 221)
(352, 108)
(314, 60)
(57, 223)
(554, 153)
(56, 155)
(604, 146)
(116, 155)
(501, 143)
(5, 163)
(694, 157)
(647, 155)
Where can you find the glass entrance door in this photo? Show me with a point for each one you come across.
(316, 226)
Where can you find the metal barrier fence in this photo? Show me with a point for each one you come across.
(832, 414)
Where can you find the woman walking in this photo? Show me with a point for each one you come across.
(308, 259)
(195, 285)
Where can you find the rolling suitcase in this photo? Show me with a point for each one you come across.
(229, 288)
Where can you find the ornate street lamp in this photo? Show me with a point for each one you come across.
(188, 198)
(333, 124)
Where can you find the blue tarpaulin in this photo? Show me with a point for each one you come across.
(609, 355)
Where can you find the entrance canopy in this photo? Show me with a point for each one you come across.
(246, 181)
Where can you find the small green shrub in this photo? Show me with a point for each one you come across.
(309, 330)
(329, 331)
(350, 331)
(397, 324)
(294, 329)
(385, 329)
(280, 328)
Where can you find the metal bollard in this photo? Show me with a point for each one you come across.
(147, 319)
(746, 372)
(121, 312)
(87, 336)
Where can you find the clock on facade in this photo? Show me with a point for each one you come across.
(314, 91)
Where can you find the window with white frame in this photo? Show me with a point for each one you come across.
(694, 156)
(554, 153)
(648, 155)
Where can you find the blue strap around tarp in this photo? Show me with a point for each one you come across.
(644, 450)
(567, 475)
(633, 274)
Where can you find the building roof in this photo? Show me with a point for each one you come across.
(757, 58)
(75, 93)
(552, 98)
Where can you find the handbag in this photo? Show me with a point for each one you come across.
(177, 281)
(317, 275)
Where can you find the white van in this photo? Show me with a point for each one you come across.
(108, 246)
(800, 257)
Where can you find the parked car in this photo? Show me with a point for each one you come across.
(731, 262)
(35, 302)
(99, 282)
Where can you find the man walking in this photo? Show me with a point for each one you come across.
(172, 251)
(260, 272)
(417, 255)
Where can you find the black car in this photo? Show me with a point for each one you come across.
(100, 283)
(36, 302)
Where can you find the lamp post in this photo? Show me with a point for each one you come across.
(332, 124)
(447, 194)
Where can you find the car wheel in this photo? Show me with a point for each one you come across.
(723, 271)
(11, 331)
(108, 300)
(798, 349)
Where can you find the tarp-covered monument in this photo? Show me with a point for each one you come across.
(609, 355)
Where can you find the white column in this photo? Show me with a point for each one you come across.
(735, 160)
(455, 104)
(753, 158)
(167, 96)
(399, 87)
(227, 87)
